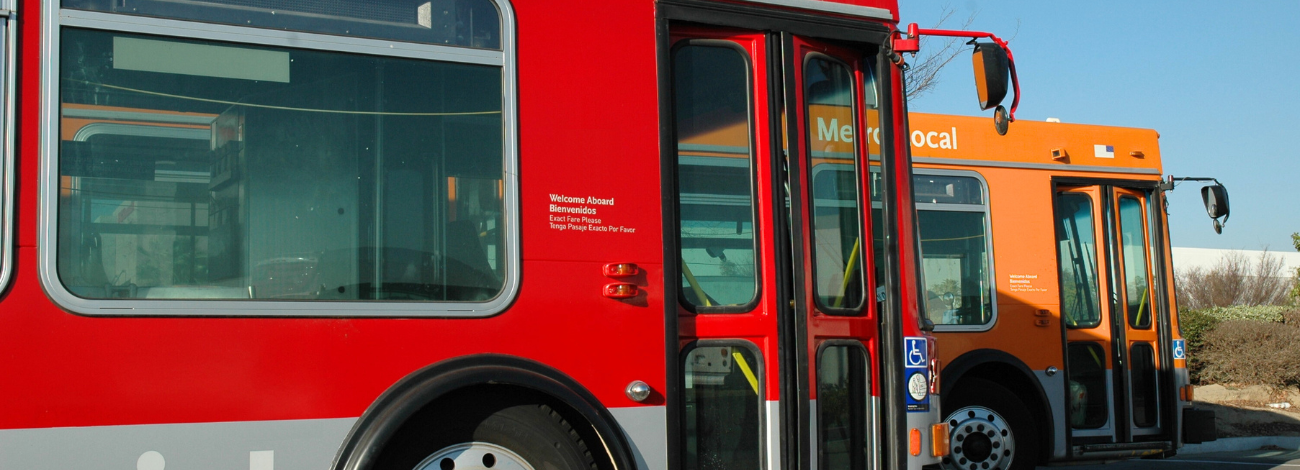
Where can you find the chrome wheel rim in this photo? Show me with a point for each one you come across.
(979, 439)
(474, 456)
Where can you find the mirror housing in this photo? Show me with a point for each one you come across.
(1216, 200)
(1216, 204)
(992, 70)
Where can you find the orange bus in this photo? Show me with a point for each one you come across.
(1047, 270)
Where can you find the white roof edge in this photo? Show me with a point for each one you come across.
(833, 7)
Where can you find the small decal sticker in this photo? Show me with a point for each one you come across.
(914, 352)
(1180, 349)
(1103, 151)
(917, 386)
(916, 361)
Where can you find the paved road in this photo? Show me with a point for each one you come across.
(1240, 460)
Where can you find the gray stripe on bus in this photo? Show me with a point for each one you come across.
(646, 428)
(308, 444)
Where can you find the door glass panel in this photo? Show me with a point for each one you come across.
(1142, 369)
(843, 408)
(1088, 391)
(1136, 280)
(836, 234)
(714, 176)
(1080, 301)
(722, 391)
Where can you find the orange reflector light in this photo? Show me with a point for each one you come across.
(939, 439)
(1137, 154)
(621, 269)
(1186, 393)
(914, 444)
(621, 290)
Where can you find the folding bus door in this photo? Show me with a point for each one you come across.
(1085, 313)
(1110, 313)
(776, 324)
(1137, 294)
(835, 308)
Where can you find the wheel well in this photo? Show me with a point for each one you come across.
(467, 389)
(478, 401)
(1025, 388)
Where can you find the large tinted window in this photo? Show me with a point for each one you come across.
(953, 219)
(837, 243)
(470, 23)
(1076, 243)
(203, 170)
(714, 176)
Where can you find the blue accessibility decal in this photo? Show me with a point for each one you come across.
(1180, 349)
(916, 361)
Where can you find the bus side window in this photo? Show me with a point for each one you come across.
(956, 249)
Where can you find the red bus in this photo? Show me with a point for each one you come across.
(439, 234)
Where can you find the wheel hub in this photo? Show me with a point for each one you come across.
(474, 456)
(981, 440)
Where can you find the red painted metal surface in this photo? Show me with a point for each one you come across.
(588, 124)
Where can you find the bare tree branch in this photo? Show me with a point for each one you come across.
(924, 73)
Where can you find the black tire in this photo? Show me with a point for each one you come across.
(536, 433)
(976, 392)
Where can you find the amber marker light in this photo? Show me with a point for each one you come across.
(1137, 154)
(1060, 155)
(939, 439)
(620, 269)
(1186, 393)
(621, 290)
(914, 443)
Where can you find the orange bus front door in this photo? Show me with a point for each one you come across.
(1107, 312)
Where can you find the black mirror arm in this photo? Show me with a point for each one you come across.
(913, 44)
(1168, 183)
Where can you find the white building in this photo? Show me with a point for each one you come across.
(1206, 258)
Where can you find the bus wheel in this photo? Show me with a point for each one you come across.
(523, 437)
(990, 429)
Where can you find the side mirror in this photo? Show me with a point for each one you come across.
(1216, 204)
(991, 71)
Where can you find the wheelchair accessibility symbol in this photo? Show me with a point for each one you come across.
(1180, 349)
(914, 352)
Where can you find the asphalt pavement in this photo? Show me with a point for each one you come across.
(1258, 459)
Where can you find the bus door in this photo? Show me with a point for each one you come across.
(1137, 310)
(775, 333)
(1107, 312)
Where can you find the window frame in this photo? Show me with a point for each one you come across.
(54, 18)
(8, 56)
(986, 209)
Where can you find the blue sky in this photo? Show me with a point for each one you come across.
(1220, 82)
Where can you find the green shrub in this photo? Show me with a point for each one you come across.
(1252, 352)
(1194, 325)
(1262, 313)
